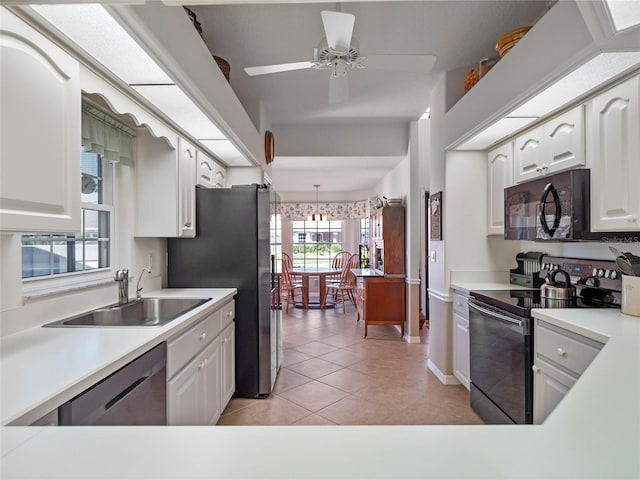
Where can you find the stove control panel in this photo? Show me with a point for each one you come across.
(593, 273)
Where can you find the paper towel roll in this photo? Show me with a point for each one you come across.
(630, 295)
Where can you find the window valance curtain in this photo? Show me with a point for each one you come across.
(333, 210)
(107, 137)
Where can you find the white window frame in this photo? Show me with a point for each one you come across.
(64, 282)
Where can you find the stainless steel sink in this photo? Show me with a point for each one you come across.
(146, 312)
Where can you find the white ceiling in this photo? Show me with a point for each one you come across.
(459, 33)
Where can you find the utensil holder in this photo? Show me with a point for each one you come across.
(630, 295)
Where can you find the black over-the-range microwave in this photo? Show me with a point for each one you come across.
(555, 208)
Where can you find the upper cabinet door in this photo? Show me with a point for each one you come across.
(529, 155)
(205, 171)
(499, 177)
(555, 146)
(564, 141)
(187, 195)
(615, 159)
(40, 137)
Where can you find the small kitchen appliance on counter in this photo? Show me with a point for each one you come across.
(501, 332)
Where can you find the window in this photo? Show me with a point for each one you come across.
(45, 254)
(316, 243)
(364, 231)
(276, 237)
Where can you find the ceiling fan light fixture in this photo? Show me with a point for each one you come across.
(339, 68)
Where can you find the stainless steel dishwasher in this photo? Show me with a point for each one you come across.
(134, 395)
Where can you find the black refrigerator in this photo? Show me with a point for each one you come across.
(232, 249)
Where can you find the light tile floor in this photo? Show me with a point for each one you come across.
(332, 375)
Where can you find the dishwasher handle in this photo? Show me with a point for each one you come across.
(497, 315)
(125, 392)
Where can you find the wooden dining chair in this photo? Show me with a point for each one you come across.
(288, 286)
(286, 260)
(338, 261)
(345, 287)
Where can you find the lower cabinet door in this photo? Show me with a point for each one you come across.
(550, 385)
(210, 374)
(194, 393)
(461, 349)
(228, 355)
(183, 402)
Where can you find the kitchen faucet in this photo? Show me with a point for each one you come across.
(138, 288)
(122, 277)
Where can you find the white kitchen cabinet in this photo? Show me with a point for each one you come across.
(615, 158)
(201, 369)
(499, 176)
(205, 170)
(555, 146)
(461, 368)
(561, 356)
(228, 356)
(40, 139)
(528, 155)
(194, 393)
(550, 386)
(165, 188)
(220, 176)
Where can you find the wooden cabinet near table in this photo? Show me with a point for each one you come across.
(561, 356)
(381, 301)
(380, 292)
(387, 232)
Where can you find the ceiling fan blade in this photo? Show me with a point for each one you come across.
(282, 67)
(407, 63)
(338, 89)
(338, 28)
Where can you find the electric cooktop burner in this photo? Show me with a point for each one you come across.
(520, 302)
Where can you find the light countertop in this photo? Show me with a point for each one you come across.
(465, 287)
(367, 272)
(593, 433)
(42, 368)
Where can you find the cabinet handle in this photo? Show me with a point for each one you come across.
(230, 313)
(224, 340)
(561, 352)
(203, 336)
(535, 369)
(632, 219)
(201, 366)
(545, 167)
(538, 169)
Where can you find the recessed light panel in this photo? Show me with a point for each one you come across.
(91, 27)
(171, 100)
(624, 13)
(227, 152)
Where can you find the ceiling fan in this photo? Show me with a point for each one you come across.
(339, 50)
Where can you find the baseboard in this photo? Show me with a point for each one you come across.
(445, 379)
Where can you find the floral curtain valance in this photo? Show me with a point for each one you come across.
(107, 137)
(333, 210)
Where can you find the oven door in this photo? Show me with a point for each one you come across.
(500, 347)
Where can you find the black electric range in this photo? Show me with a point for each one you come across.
(501, 331)
(598, 284)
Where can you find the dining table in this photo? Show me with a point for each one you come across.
(313, 271)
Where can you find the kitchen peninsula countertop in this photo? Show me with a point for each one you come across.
(593, 433)
(41, 368)
(367, 272)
